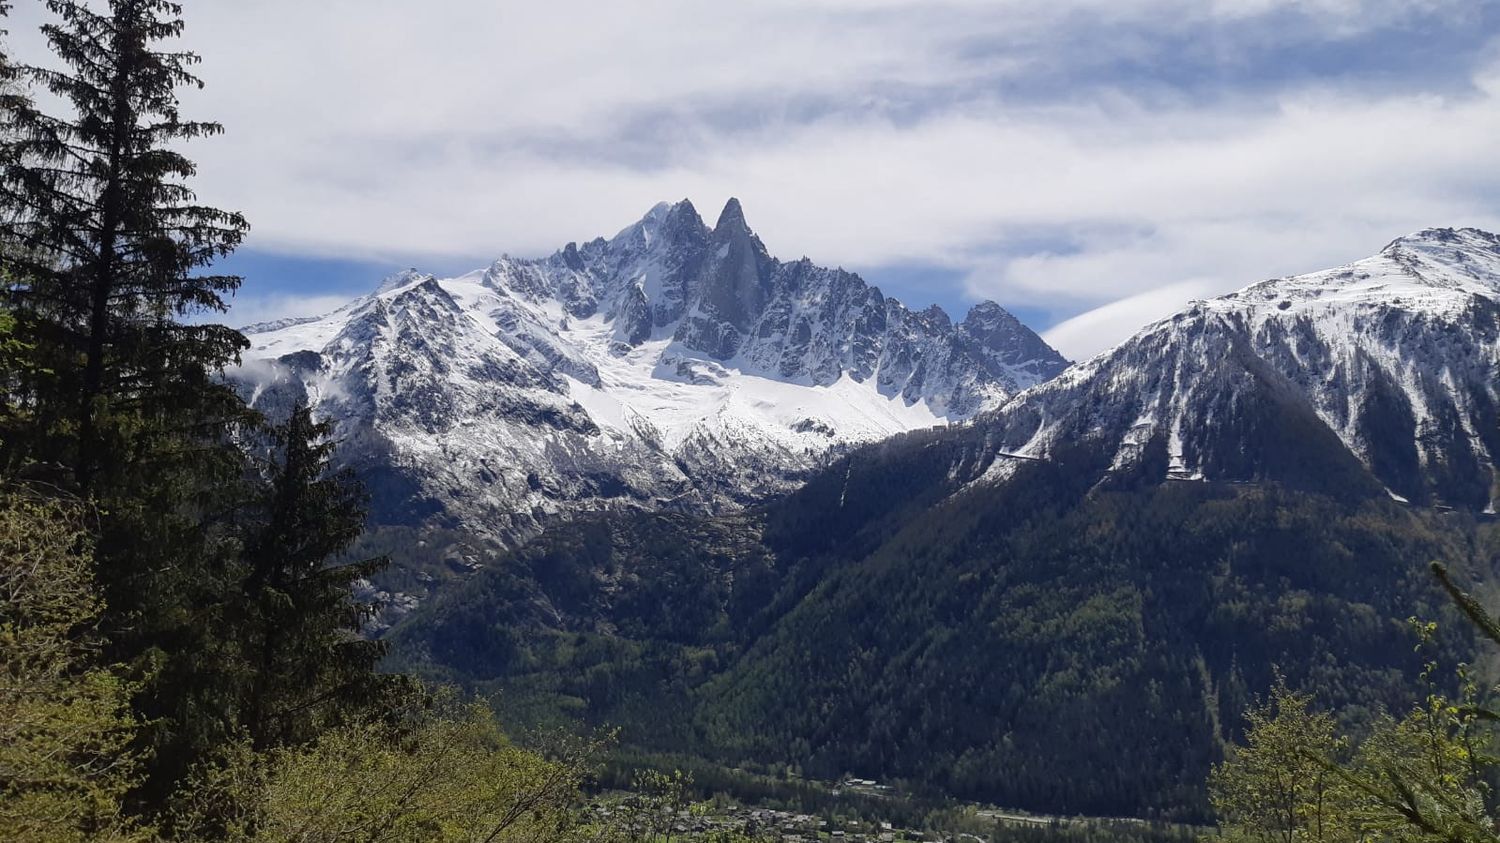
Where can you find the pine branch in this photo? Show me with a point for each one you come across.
(1467, 604)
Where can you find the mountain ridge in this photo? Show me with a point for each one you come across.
(1063, 604)
(672, 365)
(1396, 355)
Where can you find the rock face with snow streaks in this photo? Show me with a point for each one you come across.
(672, 366)
(1391, 361)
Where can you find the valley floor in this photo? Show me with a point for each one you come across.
(864, 811)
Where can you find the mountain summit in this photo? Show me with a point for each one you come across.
(672, 365)
(1066, 604)
(1390, 363)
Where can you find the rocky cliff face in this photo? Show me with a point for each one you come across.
(672, 366)
(1392, 361)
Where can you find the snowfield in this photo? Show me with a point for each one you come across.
(673, 365)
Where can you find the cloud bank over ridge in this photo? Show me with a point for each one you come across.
(1091, 160)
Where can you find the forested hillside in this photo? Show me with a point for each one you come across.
(1047, 643)
(1066, 603)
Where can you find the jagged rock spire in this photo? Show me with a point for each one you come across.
(732, 218)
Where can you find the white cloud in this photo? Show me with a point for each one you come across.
(249, 309)
(858, 132)
(1102, 328)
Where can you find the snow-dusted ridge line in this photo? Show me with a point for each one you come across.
(1397, 355)
(671, 365)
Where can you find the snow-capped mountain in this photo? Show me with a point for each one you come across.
(1392, 361)
(673, 365)
(968, 576)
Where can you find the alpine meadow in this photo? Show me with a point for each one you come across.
(1006, 512)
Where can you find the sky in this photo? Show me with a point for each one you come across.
(1091, 165)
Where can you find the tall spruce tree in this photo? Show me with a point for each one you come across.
(309, 667)
(222, 582)
(104, 237)
(102, 250)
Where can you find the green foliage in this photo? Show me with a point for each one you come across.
(65, 723)
(308, 666)
(222, 591)
(118, 400)
(1039, 644)
(1072, 659)
(222, 544)
(435, 775)
(103, 236)
(657, 799)
(1279, 787)
(613, 620)
(1425, 776)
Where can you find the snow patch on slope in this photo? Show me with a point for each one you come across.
(1398, 355)
(673, 365)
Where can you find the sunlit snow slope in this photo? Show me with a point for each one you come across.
(1391, 362)
(674, 365)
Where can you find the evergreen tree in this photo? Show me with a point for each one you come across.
(224, 592)
(102, 247)
(104, 237)
(15, 353)
(309, 667)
